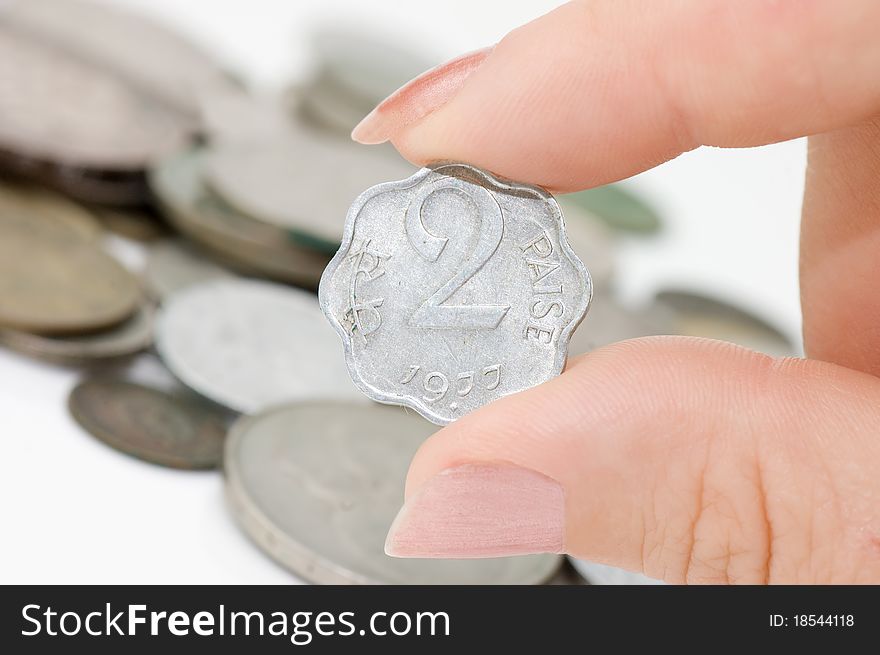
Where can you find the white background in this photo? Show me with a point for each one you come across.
(74, 510)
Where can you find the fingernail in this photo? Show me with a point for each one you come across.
(481, 510)
(417, 98)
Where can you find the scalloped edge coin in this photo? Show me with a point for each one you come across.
(328, 297)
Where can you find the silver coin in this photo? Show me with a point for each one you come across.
(317, 485)
(56, 108)
(600, 574)
(249, 344)
(252, 246)
(698, 315)
(302, 181)
(139, 49)
(124, 340)
(610, 322)
(452, 289)
(173, 265)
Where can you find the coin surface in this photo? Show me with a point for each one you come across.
(53, 287)
(303, 181)
(698, 315)
(204, 217)
(600, 574)
(249, 344)
(136, 224)
(592, 242)
(45, 214)
(317, 485)
(452, 289)
(173, 265)
(57, 108)
(139, 49)
(128, 338)
(149, 424)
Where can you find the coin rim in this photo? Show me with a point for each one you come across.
(280, 546)
(118, 444)
(341, 255)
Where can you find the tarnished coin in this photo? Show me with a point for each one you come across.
(317, 485)
(600, 574)
(56, 108)
(248, 344)
(53, 287)
(452, 289)
(142, 51)
(152, 425)
(94, 186)
(128, 338)
(173, 265)
(45, 214)
(698, 315)
(302, 181)
(209, 221)
(137, 224)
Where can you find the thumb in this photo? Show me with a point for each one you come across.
(599, 90)
(689, 460)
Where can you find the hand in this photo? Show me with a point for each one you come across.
(687, 459)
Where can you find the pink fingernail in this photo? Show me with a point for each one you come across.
(481, 510)
(417, 98)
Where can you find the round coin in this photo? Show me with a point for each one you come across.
(173, 265)
(209, 221)
(302, 182)
(249, 344)
(698, 315)
(59, 109)
(45, 214)
(51, 287)
(139, 49)
(452, 289)
(149, 424)
(317, 485)
(600, 574)
(128, 338)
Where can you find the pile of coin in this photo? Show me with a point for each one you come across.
(119, 138)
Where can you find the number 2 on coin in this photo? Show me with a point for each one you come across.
(433, 313)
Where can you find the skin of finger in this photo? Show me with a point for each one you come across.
(840, 242)
(596, 91)
(695, 461)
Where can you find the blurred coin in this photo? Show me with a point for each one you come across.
(56, 108)
(139, 49)
(591, 240)
(600, 574)
(53, 287)
(149, 424)
(608, 322)
(618, 207)
(354, 72)
(128, 338)
(699, 315)
(45, 214)
(317, 485)
(206, 219)
(248, 344)
(173, 265)
(93, 186)
(302, 181)
(136, 224)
